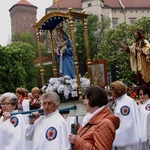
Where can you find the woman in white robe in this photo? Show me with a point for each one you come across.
(143, 93)
(12, 128)
(128, 135)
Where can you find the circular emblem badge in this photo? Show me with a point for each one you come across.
(147, 107)
(14, 121)
(51, 133)
(125, 110)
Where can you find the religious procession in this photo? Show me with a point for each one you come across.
(72, 111)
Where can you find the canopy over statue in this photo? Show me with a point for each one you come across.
(49, 23)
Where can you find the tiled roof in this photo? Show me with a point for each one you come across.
(24, 2)
(136, 3)
(127, 3)
(112, 3)
(68, 3)
(107, 3)
(45, 59)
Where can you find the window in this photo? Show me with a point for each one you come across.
(27, 31)
(114, 22)
(132, 20)
(89, 4)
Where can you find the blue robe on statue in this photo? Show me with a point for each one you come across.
(66, 62)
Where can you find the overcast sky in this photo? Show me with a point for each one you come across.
(5, 5)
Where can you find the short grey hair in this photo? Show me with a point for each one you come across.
(11, 97)
(52, 95)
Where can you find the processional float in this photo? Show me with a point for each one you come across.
(48, 24)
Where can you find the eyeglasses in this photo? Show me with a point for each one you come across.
(5, 104)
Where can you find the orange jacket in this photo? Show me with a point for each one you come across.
(99, 133)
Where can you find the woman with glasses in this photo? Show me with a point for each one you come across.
(12, 128)
(143, 93)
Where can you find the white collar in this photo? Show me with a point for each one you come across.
(89, 116)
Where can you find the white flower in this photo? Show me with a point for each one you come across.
(67, 77)
(52, 80)
(66, 94)
(74, 94)
(68, 81)
(66, 86)
(60, 88)
(74, 86)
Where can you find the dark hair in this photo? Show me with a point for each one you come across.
(145, 90)
(96, 96)
(139, 34)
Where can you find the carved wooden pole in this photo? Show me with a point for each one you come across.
(40, 57)
(53, 54)
(87, 49)
(76, 64)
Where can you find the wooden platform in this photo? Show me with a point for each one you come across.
(80, 111)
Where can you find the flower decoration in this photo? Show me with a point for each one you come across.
(143, 42)
(67, 87)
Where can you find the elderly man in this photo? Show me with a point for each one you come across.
(49, 131)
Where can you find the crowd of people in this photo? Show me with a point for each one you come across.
(114, 120)
(123, 125)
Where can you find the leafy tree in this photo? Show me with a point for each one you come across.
(95, 30)
(25, 38)
(144, 25)
(17, 67)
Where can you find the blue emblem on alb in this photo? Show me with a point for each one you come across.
(147, 107)
(125, 110)
(14, 121)
(51, 133)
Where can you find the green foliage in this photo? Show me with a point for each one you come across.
(25, 38)
(17, 67)
(144, 25)
(110, 48)
(95, 30)
(48, 71)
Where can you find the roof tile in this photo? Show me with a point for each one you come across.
(68, 3)
(24, 2)
(107, 3)
(128, 3)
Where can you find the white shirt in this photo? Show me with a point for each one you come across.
(144, 110)
(49, 132)
(12, 133)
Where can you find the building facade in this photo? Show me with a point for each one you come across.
(23, 17)
(117, 10)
